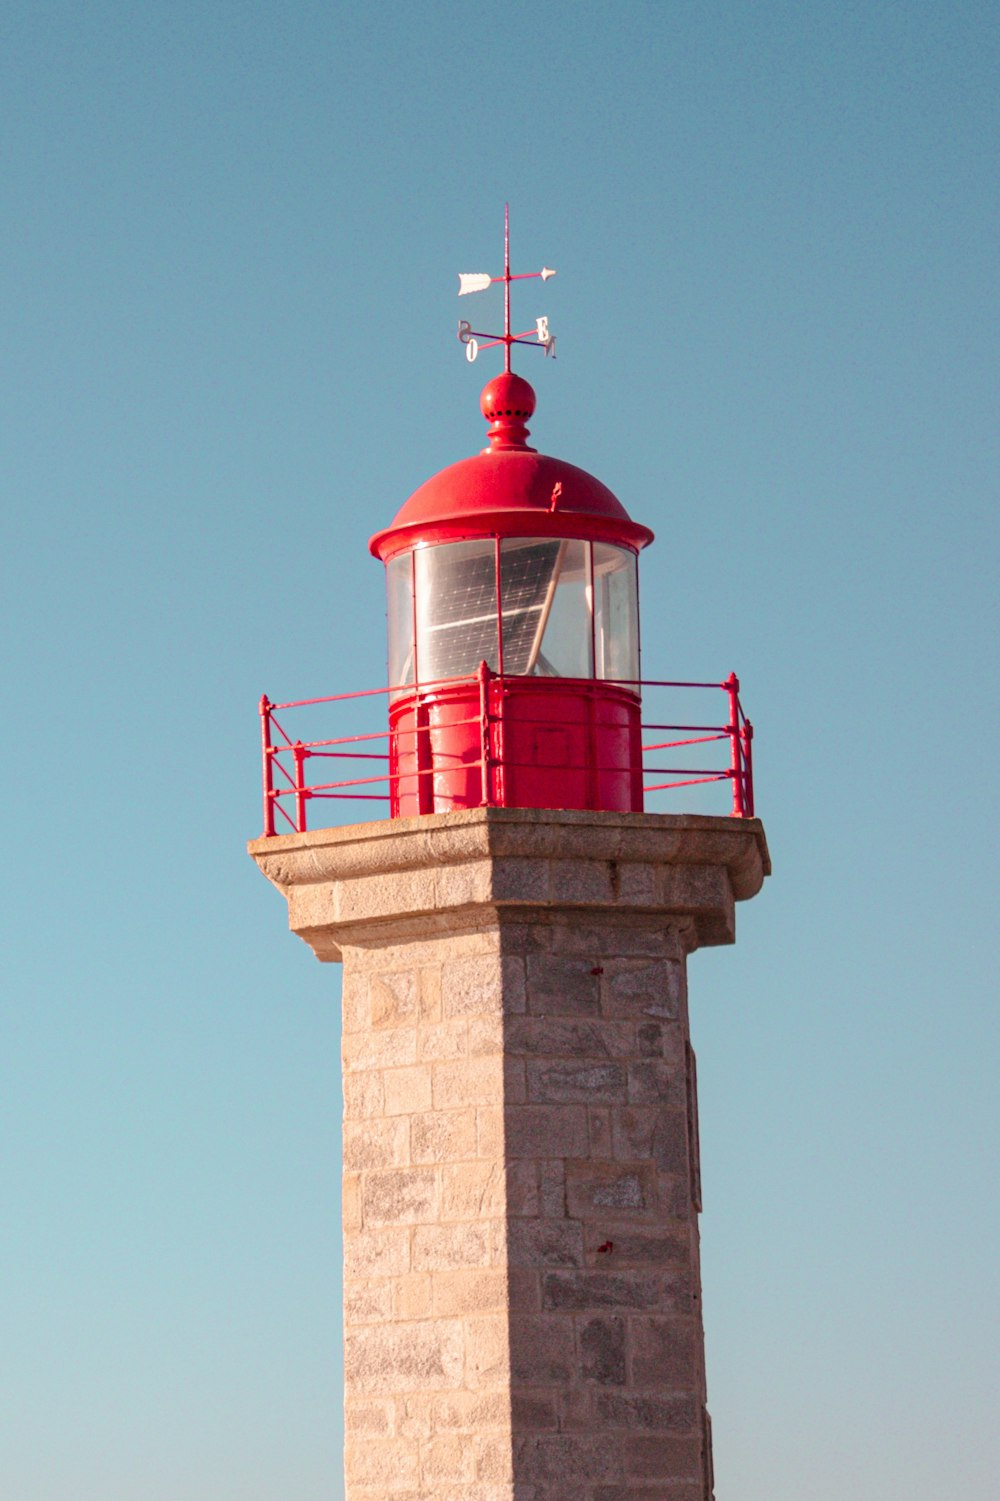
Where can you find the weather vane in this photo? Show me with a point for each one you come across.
(478, 281)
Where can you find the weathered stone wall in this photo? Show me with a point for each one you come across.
(606, 1336)
(520, 1240)
(521, 1184)
(426, 1192)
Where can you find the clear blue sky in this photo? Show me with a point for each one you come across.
(231, 233)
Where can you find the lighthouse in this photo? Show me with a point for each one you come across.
(521, 1185)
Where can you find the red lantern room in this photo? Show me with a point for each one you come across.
(513, 603)
(514, 677)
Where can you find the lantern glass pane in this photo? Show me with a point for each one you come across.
(545, 597)
(456, 590)
(399, 587)
(616, 613)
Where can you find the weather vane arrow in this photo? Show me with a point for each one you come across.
(478, 281)
(538, 337)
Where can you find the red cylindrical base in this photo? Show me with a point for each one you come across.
(548, 743)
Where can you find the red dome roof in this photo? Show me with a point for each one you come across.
(509, 490)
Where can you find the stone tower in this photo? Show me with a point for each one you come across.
(522, 1299)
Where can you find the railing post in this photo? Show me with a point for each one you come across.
(732, 687)
(267, 765)
(485, 751)
(748, 763)
(299, 755)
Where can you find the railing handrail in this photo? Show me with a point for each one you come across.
(738, 731)
(424, 685)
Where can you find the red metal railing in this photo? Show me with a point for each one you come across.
(286, 761)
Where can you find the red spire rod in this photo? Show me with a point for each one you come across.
(506, 286)
(538, 337)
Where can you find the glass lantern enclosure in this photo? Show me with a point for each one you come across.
(526, 606)
(555, 721)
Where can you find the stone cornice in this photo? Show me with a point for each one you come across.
(373, 880)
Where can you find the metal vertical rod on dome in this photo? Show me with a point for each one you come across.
(506, 286)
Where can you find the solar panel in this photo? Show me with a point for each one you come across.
(525, 576)
(457, 603)
(457, 606)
